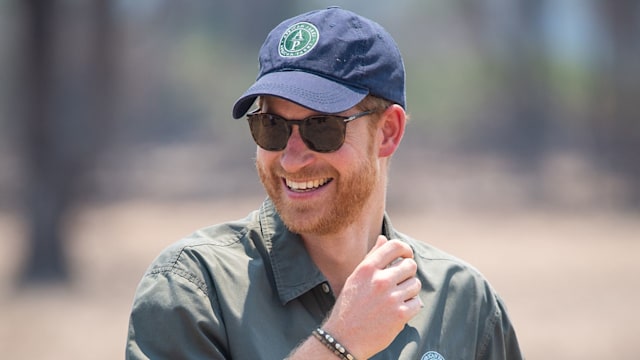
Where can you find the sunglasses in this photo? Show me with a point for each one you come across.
(321, 133)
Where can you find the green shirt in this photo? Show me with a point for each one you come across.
(249, 290)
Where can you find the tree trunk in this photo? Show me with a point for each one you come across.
(616, 121)
(45, 203)
(67, 110)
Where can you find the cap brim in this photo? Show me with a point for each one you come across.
(309, 90)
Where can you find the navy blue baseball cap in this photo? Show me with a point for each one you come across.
(328, 61)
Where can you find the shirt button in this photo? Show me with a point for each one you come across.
(325, 288)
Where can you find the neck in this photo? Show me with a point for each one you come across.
(338, 254)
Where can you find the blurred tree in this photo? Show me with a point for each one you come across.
(250, 20)
(527, 86)
(616, 106)
(521, 117)
(65, 110)
(518, 120)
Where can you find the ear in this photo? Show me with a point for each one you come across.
(391, 128)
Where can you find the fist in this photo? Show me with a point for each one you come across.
(377, 300)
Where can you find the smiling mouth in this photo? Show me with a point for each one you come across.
(302, 186)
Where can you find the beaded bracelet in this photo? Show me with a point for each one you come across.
(332, 344)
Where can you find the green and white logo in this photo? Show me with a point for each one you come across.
(298, 40)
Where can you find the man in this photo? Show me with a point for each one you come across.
(318, 272)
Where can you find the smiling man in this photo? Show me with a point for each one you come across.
(319, 272)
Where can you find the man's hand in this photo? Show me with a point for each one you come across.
(377, 300)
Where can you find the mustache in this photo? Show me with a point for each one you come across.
(277, 171)
(305, 174)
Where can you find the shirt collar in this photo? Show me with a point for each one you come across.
(293, 270)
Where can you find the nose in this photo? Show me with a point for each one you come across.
(296, 155)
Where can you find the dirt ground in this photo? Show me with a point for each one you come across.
(571, 281)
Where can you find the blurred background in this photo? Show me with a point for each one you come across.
(521, 156)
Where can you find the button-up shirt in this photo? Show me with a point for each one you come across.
(249, 290)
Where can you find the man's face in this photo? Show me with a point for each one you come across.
(318, 193)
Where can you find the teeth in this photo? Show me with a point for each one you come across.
(306, 185)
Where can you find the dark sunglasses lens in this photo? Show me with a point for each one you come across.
(269, 132)
(323, 133)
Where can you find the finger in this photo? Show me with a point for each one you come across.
(389, 252)
(409, 288)
(381, 240)
(398, 262)
(412, 306)
(403, 270)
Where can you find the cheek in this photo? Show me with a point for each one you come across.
(263, 160)
(264, 156)
(361, 142)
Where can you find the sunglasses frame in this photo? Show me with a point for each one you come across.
(302, 124)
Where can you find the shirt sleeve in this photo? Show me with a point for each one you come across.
(173, 317)
(500, 341)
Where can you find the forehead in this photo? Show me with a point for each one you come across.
(286, 108)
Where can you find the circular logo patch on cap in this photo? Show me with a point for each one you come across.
(298, 39)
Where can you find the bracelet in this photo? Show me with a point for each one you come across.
(332, 344)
